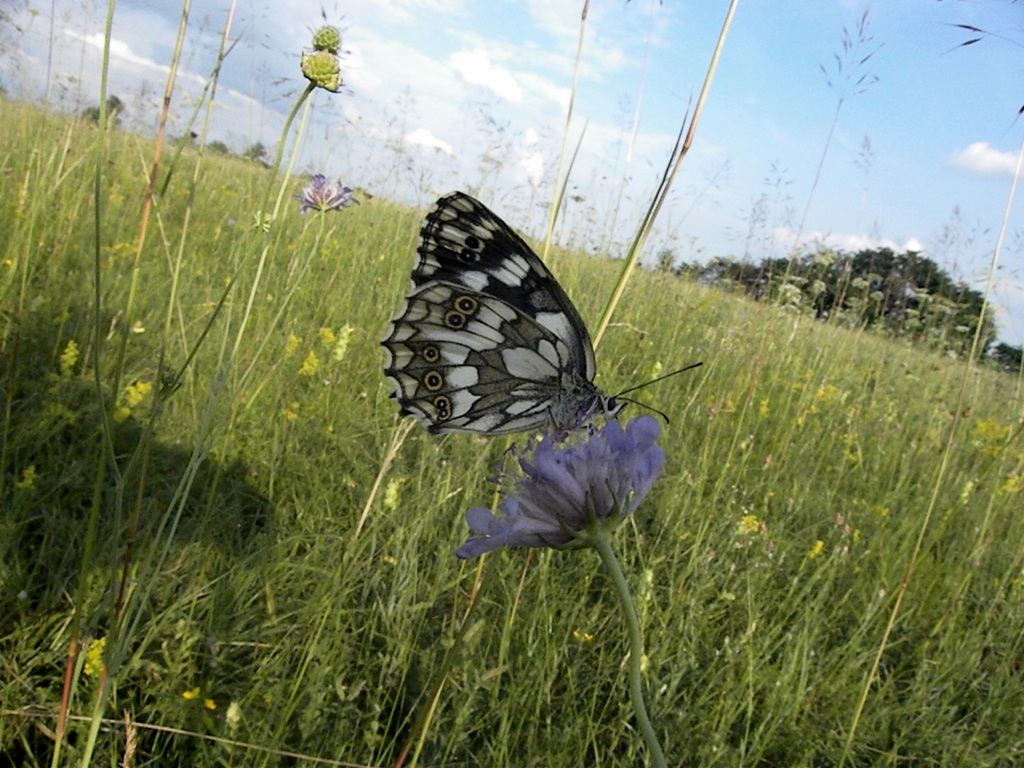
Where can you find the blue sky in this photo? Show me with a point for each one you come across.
(467, 94)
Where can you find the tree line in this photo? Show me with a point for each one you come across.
(904, 295)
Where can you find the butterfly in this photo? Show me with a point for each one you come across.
(487, 341)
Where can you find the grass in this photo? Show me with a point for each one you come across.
(259, 620)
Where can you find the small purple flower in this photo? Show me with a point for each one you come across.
(318, 195)
(566, 491)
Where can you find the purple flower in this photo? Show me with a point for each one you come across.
(566, 491)
(318, 195)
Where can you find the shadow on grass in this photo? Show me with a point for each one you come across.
(54, 449)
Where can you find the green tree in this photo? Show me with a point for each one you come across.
(903, 294)
(1007, 356)
(257, 153)
(115, 108)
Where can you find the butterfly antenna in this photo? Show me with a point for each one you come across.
(648, 407)
(654, 381)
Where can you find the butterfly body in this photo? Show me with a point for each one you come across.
(487, 340)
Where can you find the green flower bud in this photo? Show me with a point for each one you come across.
(327, 38)
(321, 69)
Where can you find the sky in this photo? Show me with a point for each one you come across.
(916, 135)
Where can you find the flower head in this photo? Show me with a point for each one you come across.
(567, 491)
(94, 657)
(327, 38)
(318, 195)
(321, 68)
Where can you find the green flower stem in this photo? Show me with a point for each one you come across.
(601, 541)
(264, 254)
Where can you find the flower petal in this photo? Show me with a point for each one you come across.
(564, 490)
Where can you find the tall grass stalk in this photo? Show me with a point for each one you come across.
(106, 444)
(264, 217)
(675, 161)
(147, 201)
(855, 58)
(556, 203)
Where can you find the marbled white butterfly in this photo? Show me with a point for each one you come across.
(487, 341)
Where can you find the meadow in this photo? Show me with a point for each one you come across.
(221, 545)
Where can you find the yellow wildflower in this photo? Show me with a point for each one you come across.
(1012, 484)
(209, 703)
(748, 524)
(189, 695)
(327, 336)
(989, 436)
(828, 394)
(233, 717)
(133, 395)
(309, 365)
(68, 358)
(990, 430)
(763, 407)
(817, 549)
(391, 494)
(28, 478)
(583, 637)
(94, 657)
(291, 411)
(341, 345)
(292, 345)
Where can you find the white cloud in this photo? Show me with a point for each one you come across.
(122, 55)
(982, 159)
(422, 137)
(530, 168)
(544, 88)
(475, 67)
(846, 242)
(119, 50)
(243, 98)
(405, 11)
(1009, 293)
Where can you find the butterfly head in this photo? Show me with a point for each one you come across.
(579, 404)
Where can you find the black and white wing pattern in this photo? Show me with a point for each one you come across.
(487, 341)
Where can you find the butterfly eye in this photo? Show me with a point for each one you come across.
(444, 408)
(455, 320)
(470, 253)
(433, 381)
(467, 305)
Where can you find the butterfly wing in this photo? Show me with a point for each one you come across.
(487, 341)
(464, 243)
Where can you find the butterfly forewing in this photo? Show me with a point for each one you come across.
(464, 243)
(487, 341)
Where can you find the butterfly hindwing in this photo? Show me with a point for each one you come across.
(487, 341)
